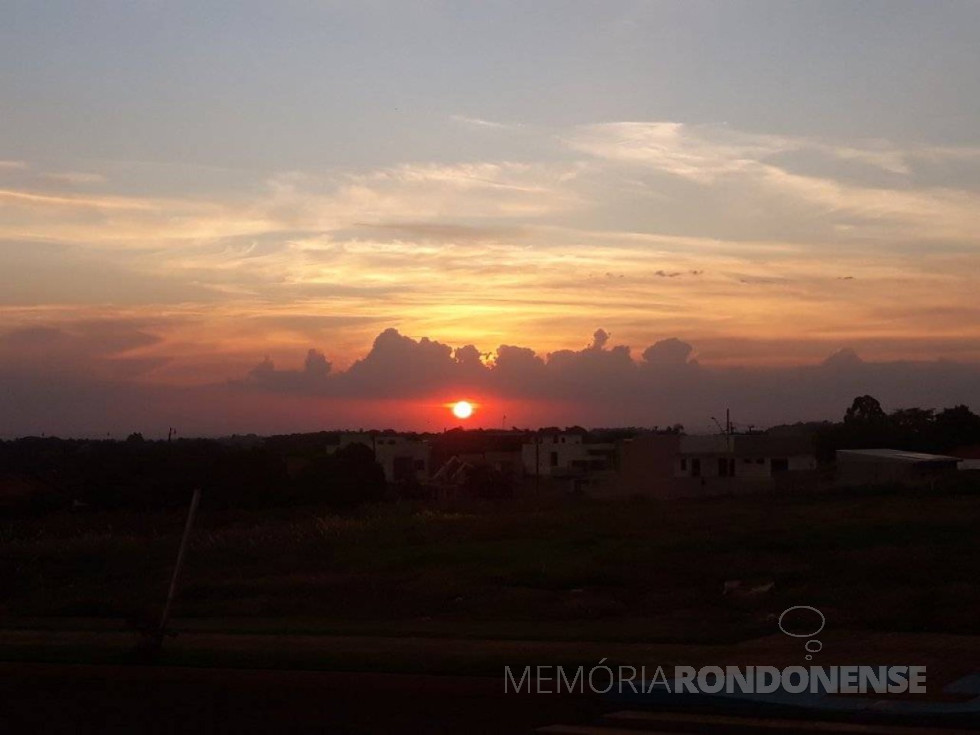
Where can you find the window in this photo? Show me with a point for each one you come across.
(683, 464)
(779, 465)
(554, 459)
(696, 467)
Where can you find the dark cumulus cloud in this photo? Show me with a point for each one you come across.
(311, 378)
(610, 385)
(91, 378)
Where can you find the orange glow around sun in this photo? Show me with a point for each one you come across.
(462, 409)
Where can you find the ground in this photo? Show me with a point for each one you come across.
(634, 571)
(419, 599)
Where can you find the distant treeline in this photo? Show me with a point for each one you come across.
(40, 474)
(866, 425)
(47, 473)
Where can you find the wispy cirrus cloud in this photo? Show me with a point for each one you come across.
(479, 122)
(660, 228)
(719, 158)
(75, 178)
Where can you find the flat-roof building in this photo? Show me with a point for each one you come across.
(881, 466)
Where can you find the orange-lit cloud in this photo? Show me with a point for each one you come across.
(90, 378)
(761, 250)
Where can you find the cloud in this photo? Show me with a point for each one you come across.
(790, 171)
(398, 365)
(702, 154)
(743, 242)
(93, 375)
(436, 231)
(312, 378)
(666, 386)
(479, 122)
(100, 350)
(75, 178)
(669, 353)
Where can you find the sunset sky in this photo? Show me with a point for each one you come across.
(285, 216)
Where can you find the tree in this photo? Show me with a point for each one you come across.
(865, 410)
(957, 426)
(912, 428)
(347, 478)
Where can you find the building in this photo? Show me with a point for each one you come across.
(401, 457)
(970, 456)
(646, 466)
(565, 454)
(743, 456)
(499, 449)
(676, 466)
(885, 466)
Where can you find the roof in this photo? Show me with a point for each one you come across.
(747, 445)
(894, 455)
(970, 451)
(765, 445)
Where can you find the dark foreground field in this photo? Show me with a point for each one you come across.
(112, 699)
(631, 571)
(289, 620)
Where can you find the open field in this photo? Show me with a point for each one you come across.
(629, 571)
(126, 699)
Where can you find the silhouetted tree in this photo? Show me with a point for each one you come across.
(865, 410)
(347, 478)
(867, 426)
(912, 428)
(956, 426)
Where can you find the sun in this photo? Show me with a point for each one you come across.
(462, 409)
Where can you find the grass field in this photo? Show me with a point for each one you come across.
(631, 570)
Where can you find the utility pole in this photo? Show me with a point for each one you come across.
(537, 464)
(730, 445)
(153, 638)
(192, 511)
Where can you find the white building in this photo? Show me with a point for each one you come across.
(743, 456)
(562, 454)
(401, 457)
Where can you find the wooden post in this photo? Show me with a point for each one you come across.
(195, 499)
(151, 638)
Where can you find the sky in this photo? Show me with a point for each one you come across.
(265, 217)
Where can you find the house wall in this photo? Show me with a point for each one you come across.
(739, 463)
(400, 457)
(660, 466)
(748, 468)
(866, 471)
(510, 463)
(753, 468)
(553, 454)
(646, 465)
